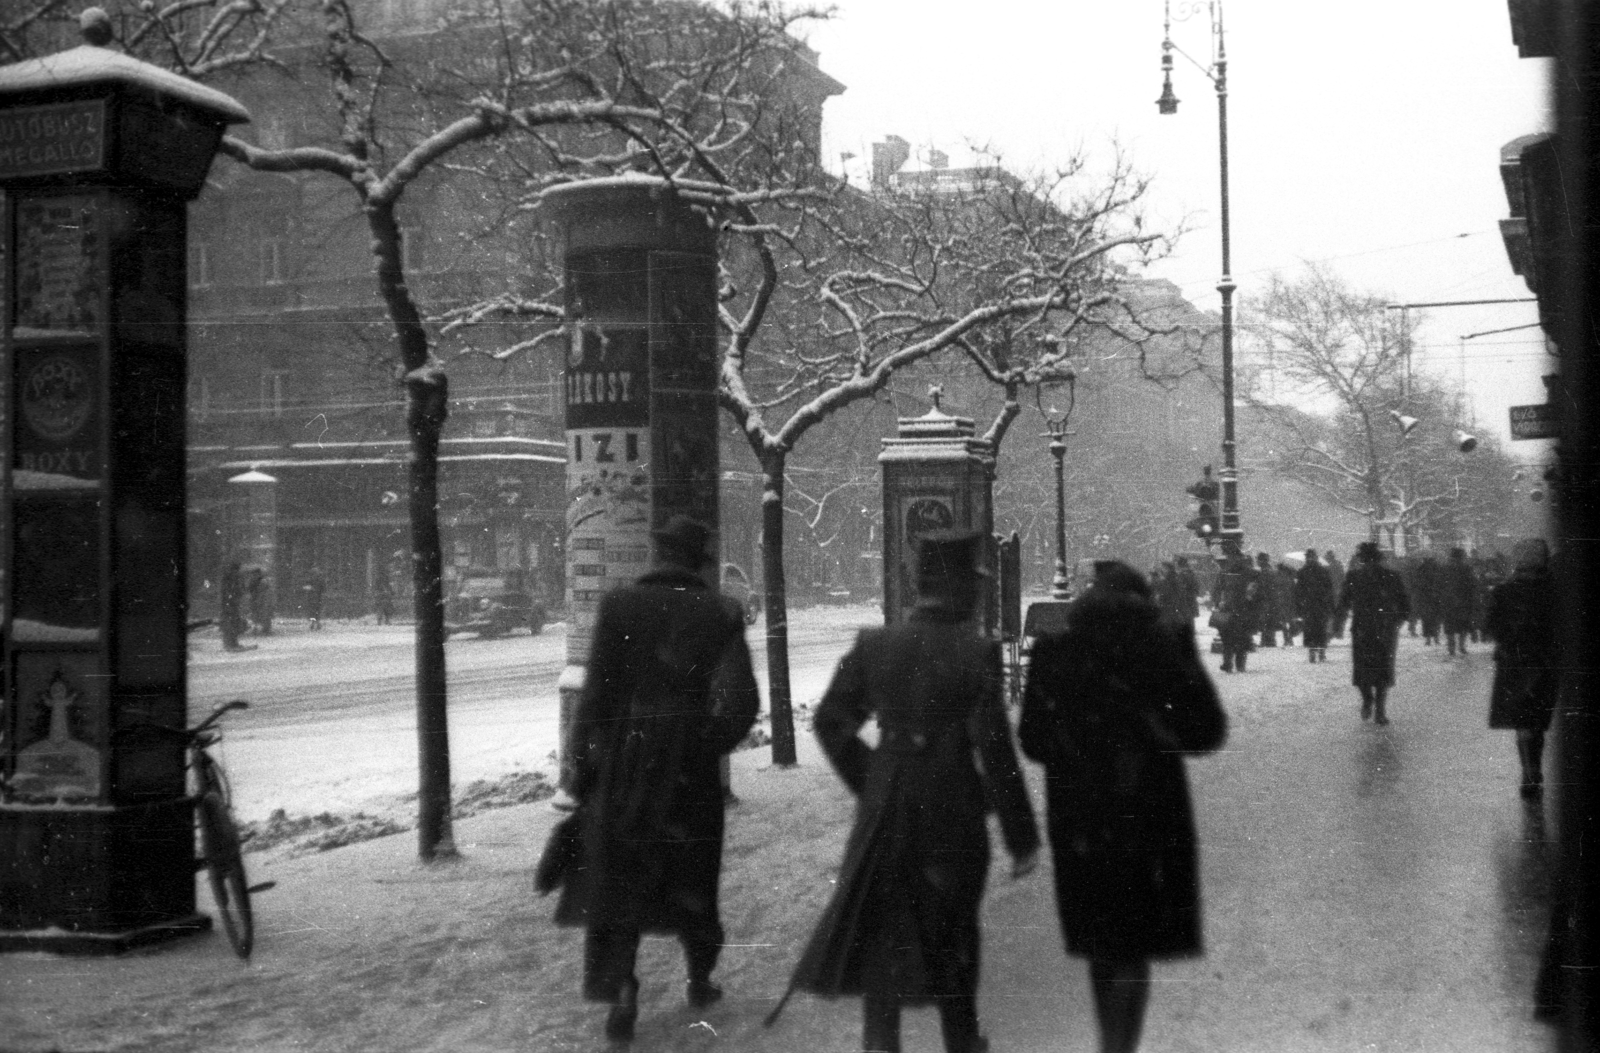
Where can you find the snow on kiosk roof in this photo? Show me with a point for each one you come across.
(87, 65)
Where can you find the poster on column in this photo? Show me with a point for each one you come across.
(608, 470)
(59, 276)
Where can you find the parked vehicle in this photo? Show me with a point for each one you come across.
(736, 585)
(492, 603)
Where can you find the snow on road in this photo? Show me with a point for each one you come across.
(332, 724)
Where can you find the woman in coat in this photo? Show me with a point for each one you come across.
(1111, 707)
(1521, 622)
(1374, 598)
(669, 690)
(902, 926)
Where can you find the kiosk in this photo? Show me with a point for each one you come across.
(99, 154)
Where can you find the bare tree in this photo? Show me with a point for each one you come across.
(593, 86)
(1345, 416)
(197, 38)
(872, 286)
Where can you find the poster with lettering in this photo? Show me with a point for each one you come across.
(60, 727)
(59, 266)
(56, 441)
(608, 521)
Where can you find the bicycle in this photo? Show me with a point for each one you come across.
(221, 849)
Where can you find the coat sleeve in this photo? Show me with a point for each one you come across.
(1036, 733)
(735, 697)
(1190, 717)
(991, 733)
(839, 717)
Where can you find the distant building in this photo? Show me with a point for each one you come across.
(291, 364)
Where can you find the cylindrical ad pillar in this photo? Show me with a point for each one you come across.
(640, 387)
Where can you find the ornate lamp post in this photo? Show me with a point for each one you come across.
(1057, 432)
(1217, 72)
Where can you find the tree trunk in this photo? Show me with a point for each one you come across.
(427, 404)
(777, 607)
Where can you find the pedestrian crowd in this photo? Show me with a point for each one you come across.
(1112, 706)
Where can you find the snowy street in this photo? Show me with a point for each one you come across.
(1365, 889)
(332, 718)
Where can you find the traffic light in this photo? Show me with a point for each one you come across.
(1207, 521)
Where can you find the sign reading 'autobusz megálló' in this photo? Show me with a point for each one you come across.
(45, 140)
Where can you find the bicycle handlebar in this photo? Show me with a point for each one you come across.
(189, 734)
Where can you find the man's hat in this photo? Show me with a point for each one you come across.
(686, 537)
(1369, 551)
(950, 556)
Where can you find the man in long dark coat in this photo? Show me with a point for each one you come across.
(1458, 599)
(1375, 600)
(902, 927)
(1336, 572)
(1270, 609)
(1313, 603)
(1425, 598)
(1188, 589)
(669, 690)
(1522, 622)
(1235, 606)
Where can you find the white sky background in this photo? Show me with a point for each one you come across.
(1365, 134)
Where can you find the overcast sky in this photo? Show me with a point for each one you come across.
(1365, 134)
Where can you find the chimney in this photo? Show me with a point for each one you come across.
(887, 157)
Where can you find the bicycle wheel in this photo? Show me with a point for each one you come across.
(219, 843)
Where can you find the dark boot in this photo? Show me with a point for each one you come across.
(624, 1013)
(880, 1024)
(1378, 714)
(1366, 703)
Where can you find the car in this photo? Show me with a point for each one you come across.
(736, 586)
(492, 603)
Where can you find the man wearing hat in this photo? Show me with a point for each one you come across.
(902, 927)
(1375, 600)
(669, 691)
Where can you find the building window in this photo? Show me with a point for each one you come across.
(271, 261)
(199, 265)
(272, 386)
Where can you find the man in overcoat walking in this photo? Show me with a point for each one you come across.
(1235, 606)
(1374, 598)
(1458, 599)
(669, 691)
(1522, 623)
(902, 926)
(1313, 602)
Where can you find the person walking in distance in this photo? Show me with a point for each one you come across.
(1374, 598)
(1188, 589)
(1313, 602)
(1458, 598)
(232, 613)
(1235, 601)
(1269, 609)
(383, 595)
(1112, 705)
(1335, 572)
(1425, 598)
(669, 690)
(902, 926)
(1521, 621)
(260, 594)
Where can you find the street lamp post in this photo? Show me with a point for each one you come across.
(1057, 432)
(1217, 73)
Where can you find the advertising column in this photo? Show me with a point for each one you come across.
(640, 387)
